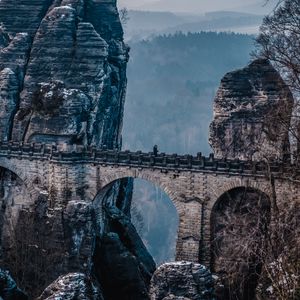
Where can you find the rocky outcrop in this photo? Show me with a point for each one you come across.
(182, 281)
(126, 265)
(49, 242)
(9, 289)
(121, 224)
(252, 111)
(46, 243)
(62, 80)
(67, 65)
(9, 98)
(72, 286)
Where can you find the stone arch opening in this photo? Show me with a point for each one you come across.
(14, 195)
(11, 166)
(239, 227)
(122, 247)
(151, 210)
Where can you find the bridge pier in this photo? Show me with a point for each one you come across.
(189, 231)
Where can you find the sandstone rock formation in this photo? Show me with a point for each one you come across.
(9, 289)
(182, 280)
(72, 286)
(127, 267)
(252, 111)
(63, 80)
(48, 242)
(63, 71)
(45, 243)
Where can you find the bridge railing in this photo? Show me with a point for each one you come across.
(75, 153)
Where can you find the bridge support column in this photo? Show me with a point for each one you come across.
(189, 233)
(205, 245)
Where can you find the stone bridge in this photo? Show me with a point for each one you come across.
(193, 183)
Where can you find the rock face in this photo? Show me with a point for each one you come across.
(63, 80)
(46, 243)
(72, 286)
(252, 111)
(181, 281)
(9, 289)
(63, 71)
(127, 266)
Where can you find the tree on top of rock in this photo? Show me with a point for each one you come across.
(279, 41)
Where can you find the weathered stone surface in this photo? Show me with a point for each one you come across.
(23, 15)
(63, 81)
(13, 58)
(122, 225)
(4, 37)
(49, 242)
(15, 54)
(58, 115)
(72, 286)
(181, 280)
(9, 289)
(91, 62)
(252, 111)
(9, 88)
(120, 273)
(80, 235)
(126, 266)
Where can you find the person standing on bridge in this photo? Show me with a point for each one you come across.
(155, 150)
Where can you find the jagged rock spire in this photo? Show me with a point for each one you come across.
(252, 112)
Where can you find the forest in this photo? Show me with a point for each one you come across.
(172, 81)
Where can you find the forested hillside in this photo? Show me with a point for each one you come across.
(171, 85)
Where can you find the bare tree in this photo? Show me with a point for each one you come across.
(256, 246)
(279, 41)
(124, 16)
(280, 277)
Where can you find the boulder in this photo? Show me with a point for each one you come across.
(182, 280)
(72, 286)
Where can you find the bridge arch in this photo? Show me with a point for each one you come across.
(28, 182)
(238, 227)
(155, 204)
(150, 177)
(235, 183)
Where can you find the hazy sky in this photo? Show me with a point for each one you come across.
(199, 6)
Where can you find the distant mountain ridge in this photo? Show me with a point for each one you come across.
(145, 24)
(197, 6)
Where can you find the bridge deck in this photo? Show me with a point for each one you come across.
(67, 154)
